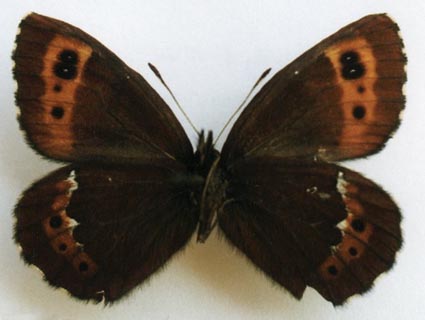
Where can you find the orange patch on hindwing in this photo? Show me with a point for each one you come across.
(58, 228)
(63, 66)
(356, 232)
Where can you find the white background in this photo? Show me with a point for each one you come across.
(211, 53)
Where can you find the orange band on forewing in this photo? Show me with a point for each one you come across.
(59, 133)
(355, 93)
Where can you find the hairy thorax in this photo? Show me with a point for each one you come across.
(211, 196)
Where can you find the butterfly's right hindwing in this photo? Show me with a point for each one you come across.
(312, 224)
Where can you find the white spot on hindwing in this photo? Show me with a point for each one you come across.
(311, 190)
(324, 195)
(342, 225)
(74, 186)
(341, 184)
(74, 183)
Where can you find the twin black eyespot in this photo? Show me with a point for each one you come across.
(352, 68)
(66, 68)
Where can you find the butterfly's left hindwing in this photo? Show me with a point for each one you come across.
(311, 224)
(99, 231)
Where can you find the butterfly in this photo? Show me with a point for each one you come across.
(134, 190)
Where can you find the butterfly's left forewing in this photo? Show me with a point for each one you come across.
(99, 231)
(79, 102)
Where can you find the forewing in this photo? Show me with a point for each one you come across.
(79, 102)
(100, 231)
(312, 224)
(340, 100)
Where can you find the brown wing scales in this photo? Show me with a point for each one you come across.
(312, 224)
(79, 102)
(98, 232)
(339, 100)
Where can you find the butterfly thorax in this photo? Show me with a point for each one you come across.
(205, 155)
(212, 196)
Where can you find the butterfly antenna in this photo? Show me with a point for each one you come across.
(158, 75)
(263, 75)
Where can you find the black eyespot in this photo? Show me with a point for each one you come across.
(349, 57)
(55, 222)
(359, 112)
(63, 247)
(68, 56)
(65, 71)
(57, 112)
(353, 71)
(361, 89)
(83, 266)
(358, 225)
(332, 270)
(57, 88)
(352, 251)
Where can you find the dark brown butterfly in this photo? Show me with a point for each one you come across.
(135, 190)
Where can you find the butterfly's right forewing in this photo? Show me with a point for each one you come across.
(340, 100)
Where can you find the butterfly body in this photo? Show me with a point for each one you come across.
(134, 192)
